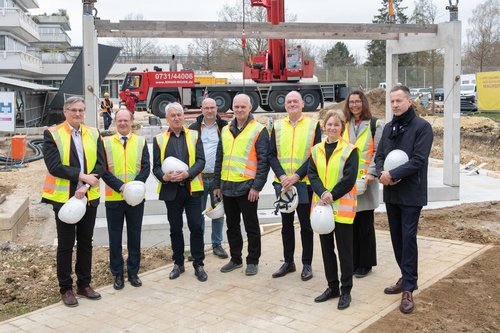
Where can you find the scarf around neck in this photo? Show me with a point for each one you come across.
(400, 123)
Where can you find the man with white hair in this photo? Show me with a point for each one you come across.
(241, 171)
(181, 190)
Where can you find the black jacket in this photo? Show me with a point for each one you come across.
(55, 167)
(236, 189)
(168, 190)
(416, 140)
(199, 120)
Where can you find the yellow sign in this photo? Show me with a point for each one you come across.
(488, 90)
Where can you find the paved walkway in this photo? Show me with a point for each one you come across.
(233, 302)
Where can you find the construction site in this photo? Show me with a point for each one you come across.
(459, 231)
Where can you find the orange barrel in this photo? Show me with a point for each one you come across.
(18, 147)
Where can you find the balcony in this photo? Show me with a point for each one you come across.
(28, 4)
(21, 63)
(59, 20)
(62, 40)
(16, 22)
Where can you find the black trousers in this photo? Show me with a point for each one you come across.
(82, 232)
(343, 237)
(116, 212)
(403, 225)
(306, 234)
(192, 206)
(364, 243)
(233, 207)
(107, 119)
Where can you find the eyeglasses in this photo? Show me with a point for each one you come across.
(76, 110)
(355, 102)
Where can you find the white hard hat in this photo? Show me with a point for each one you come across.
(288, 201)
(214, 212)
(172, 164)
(360, 185)
(322, 220)
(394, 159)
(73, 210)
(133, 192)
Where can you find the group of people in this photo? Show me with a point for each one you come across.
(230, 162)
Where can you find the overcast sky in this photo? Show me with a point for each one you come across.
(324, 11)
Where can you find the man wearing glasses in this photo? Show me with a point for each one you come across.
(75, 160)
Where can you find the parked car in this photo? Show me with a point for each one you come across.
(439, 94)
(468, 98)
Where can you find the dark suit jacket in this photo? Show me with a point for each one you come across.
(142, 176)
(57, 169)
(168, 190)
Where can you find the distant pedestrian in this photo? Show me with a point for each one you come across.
(405, 188)
(107, 111)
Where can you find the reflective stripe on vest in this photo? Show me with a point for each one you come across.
(58, 189)
(239, 162)
(293, 144)
(365, 145)
(330, 173)
(191, 139)
(124, 164)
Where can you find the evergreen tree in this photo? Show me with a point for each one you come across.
(339, 55)
(376, 48)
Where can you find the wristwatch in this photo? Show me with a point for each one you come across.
(87, 185)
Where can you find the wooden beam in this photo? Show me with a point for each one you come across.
(200, 29)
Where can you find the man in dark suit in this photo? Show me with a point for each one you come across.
(181, 190)
(127, 160)
(74, 156)
(405, 188)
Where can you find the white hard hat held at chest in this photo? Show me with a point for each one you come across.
(134, 192)
(172, 164)
(214, 212)
(322, 219)
(394, 159)
(73, 210)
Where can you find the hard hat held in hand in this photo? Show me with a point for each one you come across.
(288, 201)
(322, 220)
(360, 185)
(172, 164)
(214, 212)
(133, 192)
(73, 210)
(394, 159)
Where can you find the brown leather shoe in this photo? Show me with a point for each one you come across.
(407, 305)
(395, 289)
(89, 293)
(69, 298)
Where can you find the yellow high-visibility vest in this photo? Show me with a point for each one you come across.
(239, 162)
(57, 189)
(330, 172)
(123, 163)
(191, 139)
(293, 144)
(366, 147)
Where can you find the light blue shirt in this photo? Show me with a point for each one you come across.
(210, 139)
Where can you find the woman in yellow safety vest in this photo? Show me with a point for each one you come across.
(332, 172)
(364, 131)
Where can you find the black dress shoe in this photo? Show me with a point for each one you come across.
(135, 281)
(286, 268)
(89, 293)
(344, 301)
(176, 271)
(361, 272)
(307, 273)
(326, 295)
(118, 284)
(200, 273)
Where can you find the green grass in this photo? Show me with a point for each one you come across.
(495, 115)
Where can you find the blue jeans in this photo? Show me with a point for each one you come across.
(217, 224)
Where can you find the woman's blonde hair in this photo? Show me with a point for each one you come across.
(335, 114)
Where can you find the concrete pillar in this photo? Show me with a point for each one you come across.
(391, 74)
(90, 67)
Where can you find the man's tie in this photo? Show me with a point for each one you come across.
(124, 142)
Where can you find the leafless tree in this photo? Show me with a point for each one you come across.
(484, 36)
(136, 48)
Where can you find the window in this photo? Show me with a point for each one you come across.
(2, 42)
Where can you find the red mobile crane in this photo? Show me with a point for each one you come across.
(277, 64)
(276, 72)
